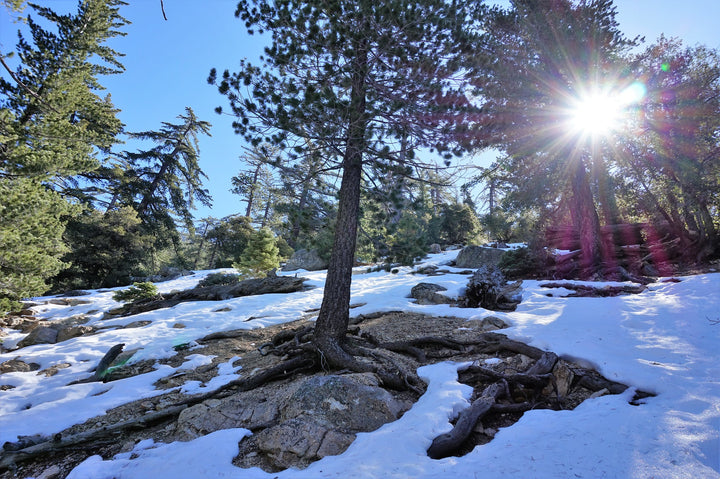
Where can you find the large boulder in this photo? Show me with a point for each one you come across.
(296, 423)
(476, 256)
(308, 260)
(39, 335)
(352, 403)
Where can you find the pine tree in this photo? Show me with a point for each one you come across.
(107, 250)
(356, 77)
(260, 256)
(54, 127)
(167, 178)
(549, 53)
(30, 239)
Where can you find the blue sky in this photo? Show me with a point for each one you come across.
(167, 64)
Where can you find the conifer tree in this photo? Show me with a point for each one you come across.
(167, 177)
(547, 55)
(357, 78)
(260, 256)
(54, 127)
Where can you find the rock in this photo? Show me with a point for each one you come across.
(73, 332)
(518, 363)
(295, 423)
(428, 270)
(299, 441)
(17, 366)
(137, 324)
(435, 248)
(348, 403)
(250, 409)
(491, 323)
(307, 260)
(477, 256)
(39, 335)
(53, 370)
(68, 301)
(427, 293)
(563, 378)
(71, 321)
(511, 293)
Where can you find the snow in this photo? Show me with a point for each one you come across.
(662, 340)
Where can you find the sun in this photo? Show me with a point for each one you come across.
(599, 112)
(596, 114)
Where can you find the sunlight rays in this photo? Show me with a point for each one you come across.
(600, 111)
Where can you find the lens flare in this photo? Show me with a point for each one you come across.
(599, 112)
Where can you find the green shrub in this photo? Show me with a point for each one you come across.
(218, 279)
(136, 292)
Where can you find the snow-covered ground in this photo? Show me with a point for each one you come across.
(663, 340)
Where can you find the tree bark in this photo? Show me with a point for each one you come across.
(585, 218)
(332, 322)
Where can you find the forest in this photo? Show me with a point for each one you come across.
(354, 125)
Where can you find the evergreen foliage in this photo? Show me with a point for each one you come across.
(30, 238)
(671, 171)
(136, 292)
(54, 125)
(460, 224)
(548, 54)
(107, 250)
(227, 239)
(360, 81)
(524, 262)
(167, 178)
(260, 256)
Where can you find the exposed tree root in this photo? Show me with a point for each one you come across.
(446, 444)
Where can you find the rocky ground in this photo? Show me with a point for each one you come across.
(300, 419)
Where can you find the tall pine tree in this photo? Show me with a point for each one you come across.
(167, 178)
(549, 55)
(54, 127)
(356, 77)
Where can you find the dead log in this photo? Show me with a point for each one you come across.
(102, 367)
(59, 442)
(249, 287)
(20, 452)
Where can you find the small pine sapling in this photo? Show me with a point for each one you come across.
(260, 255)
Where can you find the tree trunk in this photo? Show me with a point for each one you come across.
(295, 232)
(332, 322)
(585, 218)
(267, 211)
(251, 193)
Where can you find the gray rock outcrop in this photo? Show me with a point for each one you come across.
(308, 260)
(477, 256)
(297, 423)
